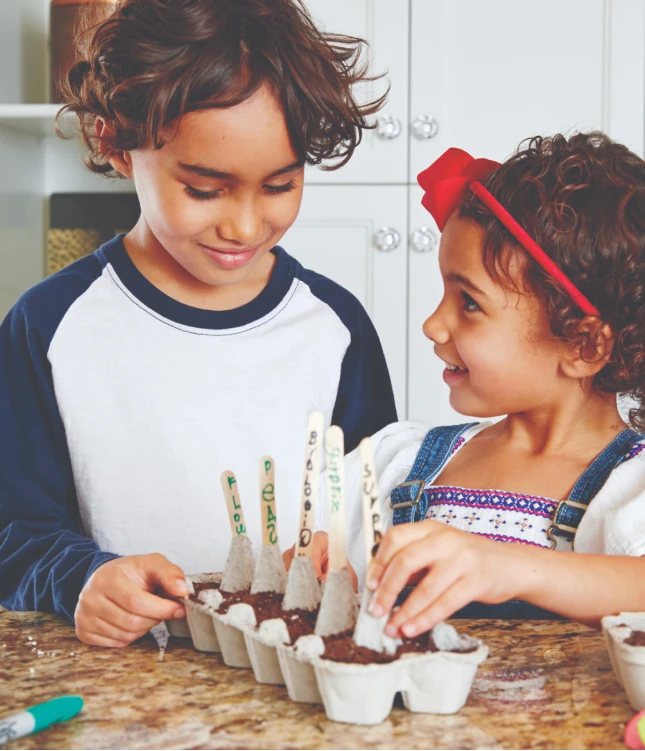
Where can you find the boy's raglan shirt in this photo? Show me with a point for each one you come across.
(121, 407)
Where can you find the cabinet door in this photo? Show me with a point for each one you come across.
(488, 74)
(336, 235)
(385, 25)
(428, 395)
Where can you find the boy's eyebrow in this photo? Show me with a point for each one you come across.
(198, 169)
(466, 283)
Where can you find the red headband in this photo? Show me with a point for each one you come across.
(445, 182)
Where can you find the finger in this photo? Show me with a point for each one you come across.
(108, 611)
(452, 600)
(158, 570)
(97, 640)
(414, 557)
(440, 578)
(108, 630)
(287, 557)
(137, 601)
(393, 541)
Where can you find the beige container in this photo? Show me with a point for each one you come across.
(199, 617)
(230, 634)
(434, 682)
(628, 661)
(262, 645)
(178, 627)
(299, 676)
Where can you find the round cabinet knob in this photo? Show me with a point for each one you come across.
(387, 239)
(424, 127)
(388, 127)
(423, 240)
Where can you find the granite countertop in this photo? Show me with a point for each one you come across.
(546, 684)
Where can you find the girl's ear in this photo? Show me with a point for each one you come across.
(120, 160)
(590, 351)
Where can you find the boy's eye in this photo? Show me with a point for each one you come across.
(280, 188)
(200, 195)
(469, 304)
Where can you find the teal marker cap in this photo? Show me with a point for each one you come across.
(57, 710)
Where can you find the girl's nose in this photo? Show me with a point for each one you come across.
(242, 223)
(435, 329)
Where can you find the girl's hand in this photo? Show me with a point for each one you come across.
(320, 557)
(116, 605)
(452, 569)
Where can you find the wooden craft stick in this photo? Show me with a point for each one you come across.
(267, 501)
(371, 510)
(233, 503)
(335, 452)
(313, 449)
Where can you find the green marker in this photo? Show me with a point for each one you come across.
(39, 717)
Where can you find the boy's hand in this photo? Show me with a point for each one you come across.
(320, 557)
(116, 605)
(452, 569)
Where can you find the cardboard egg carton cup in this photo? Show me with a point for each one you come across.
(628, 660)
(199, 615)
(433, 682)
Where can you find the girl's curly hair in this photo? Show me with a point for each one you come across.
(153, 61)
(582, 199)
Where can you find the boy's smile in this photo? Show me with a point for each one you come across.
(215, 199)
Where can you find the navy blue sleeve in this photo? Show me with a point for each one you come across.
(365, 401)
(44, 559)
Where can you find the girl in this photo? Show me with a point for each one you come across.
(193, 344)
(542, 320)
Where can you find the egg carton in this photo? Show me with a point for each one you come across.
(627, 660)
(229, 628)
(433, 682)
(199, 616)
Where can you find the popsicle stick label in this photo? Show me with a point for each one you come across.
(371, 510)
(267, 501)
(233, 503)
(313, 450)
(335, 475)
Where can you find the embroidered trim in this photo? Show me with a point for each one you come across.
(635, 450)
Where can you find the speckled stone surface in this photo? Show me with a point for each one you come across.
(545, 685)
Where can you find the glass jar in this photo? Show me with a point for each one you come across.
(66, 19)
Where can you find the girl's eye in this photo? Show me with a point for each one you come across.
(470, 305)
(273, 189)
(201, 195)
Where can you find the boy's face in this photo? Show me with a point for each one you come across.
(508, 361)
(223, 191)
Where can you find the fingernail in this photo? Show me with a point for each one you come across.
(371, 583)
(179, 613)
(409, 630)
(391, 630)
(375, 608)
(182, 586)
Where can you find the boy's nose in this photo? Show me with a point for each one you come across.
(242, 225)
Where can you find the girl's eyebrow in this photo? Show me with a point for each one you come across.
(198, 169)
(466, 283)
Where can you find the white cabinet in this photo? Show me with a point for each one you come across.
(385, 25)
(339, 233)
(490, 74)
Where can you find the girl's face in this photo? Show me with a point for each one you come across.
(223, 191)
(500, 355)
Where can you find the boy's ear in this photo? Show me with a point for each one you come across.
(120, 160)
(590, 352)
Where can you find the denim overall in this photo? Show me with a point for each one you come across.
(410, 504)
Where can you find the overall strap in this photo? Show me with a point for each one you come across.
(569, 512)
(408, 499)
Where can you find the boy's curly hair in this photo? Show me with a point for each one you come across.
(582, 199)
(153, 61)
